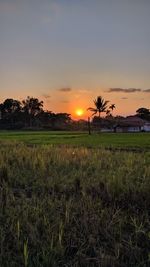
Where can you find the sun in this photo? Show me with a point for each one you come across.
(79, 112)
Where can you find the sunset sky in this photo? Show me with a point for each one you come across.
(67, 52)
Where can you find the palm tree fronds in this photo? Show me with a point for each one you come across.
(112, 106)
(101, 105)
(92, 109)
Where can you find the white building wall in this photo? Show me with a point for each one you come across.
(146, 128)
(133, 129)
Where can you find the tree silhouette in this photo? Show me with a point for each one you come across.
(143, 113)
(101, 106)
(31, 108)
(10, 110)
(11, 105)
(28, 113)
(112, 107)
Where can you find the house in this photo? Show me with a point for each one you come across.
(131, 124)
(146, 126)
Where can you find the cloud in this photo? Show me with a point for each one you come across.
(146, 91)
(127, 90)
(124, 90)
(46, 96)
(65, 89)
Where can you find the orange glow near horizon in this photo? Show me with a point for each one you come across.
(79, 112)
(78, 101)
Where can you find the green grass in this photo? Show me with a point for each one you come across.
(122, 140)
(73, 206)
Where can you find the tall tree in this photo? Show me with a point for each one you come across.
(1, 111)
(31, 108)
(109, 111)
(112, 107)
(11, 105)
(101, 106)
(10, 109)
(143, 113)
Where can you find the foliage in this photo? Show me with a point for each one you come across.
(31, 108)
(73, 207)
(30, 114)
(126, 141)
(101, 105)
(143, 113)
(10, 111)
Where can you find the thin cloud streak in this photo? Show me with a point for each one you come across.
(146, 91)
(65, 89)
(127, 90)
(124, 90)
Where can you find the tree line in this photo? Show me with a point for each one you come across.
(29, 113)
(102, 106)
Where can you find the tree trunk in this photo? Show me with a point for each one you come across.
(89, 126)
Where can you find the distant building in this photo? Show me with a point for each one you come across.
(132, 124)
(146, 127)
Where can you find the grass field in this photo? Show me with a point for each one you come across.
(74, 206)
(107, 140)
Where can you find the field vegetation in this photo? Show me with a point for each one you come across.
(128, 141)
(73, 206)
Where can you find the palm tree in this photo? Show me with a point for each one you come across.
(112, 107)
(101, 106)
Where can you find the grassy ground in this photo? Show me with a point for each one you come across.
(123, 140)
(73, 207)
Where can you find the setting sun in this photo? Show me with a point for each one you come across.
(79, 112)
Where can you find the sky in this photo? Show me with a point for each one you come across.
(68, 52)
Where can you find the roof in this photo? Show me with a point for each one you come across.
(131, 121)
